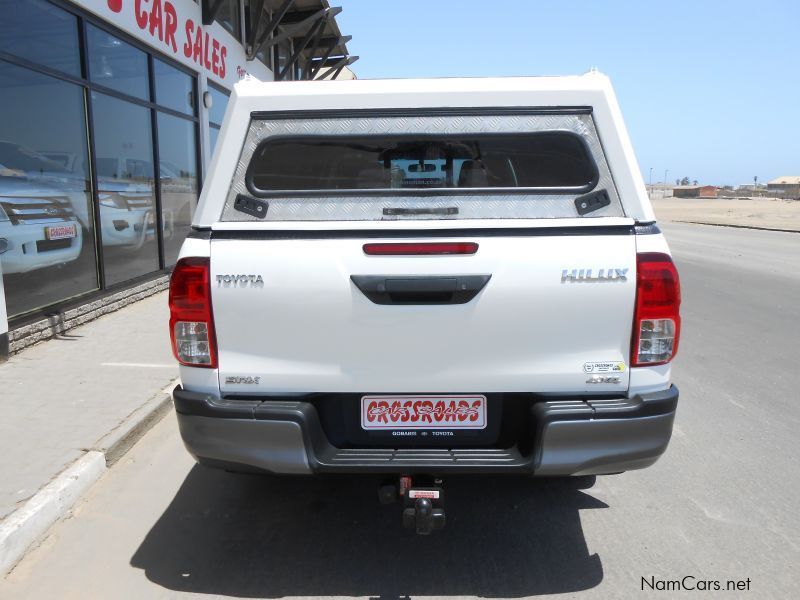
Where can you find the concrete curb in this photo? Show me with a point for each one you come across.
(117, 442)
(29, 523)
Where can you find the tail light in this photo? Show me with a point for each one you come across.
(191, 323)
(657, 321)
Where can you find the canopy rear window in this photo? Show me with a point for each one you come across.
(481, 164)
(554, 161)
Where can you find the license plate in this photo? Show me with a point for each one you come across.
(423, 412)
(60, 232)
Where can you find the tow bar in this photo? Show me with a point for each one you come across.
(423, 502)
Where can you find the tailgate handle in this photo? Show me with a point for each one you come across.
(446, 289)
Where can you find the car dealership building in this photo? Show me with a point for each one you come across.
(94, 94)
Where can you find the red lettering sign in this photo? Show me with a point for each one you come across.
(423, 411)
(156, 20)
(187, 46)
(171, 26)
(159, 19)
(141, 14)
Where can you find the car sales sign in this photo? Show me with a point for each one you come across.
(175, 28)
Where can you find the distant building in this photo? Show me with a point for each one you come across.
(694, 191)
(787, 187)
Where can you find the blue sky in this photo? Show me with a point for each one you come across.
(709, 89)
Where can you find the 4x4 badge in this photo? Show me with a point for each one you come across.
(604, 379)
(243, 379)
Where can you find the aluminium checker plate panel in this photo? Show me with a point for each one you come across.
(364, 207)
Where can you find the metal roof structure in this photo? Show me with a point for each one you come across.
(319, 50)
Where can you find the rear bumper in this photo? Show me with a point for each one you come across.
(573, 437)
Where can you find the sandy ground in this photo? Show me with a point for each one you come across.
(767, 213)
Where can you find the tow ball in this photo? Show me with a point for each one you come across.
(423, 503)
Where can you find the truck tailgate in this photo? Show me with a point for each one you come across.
(309, 328)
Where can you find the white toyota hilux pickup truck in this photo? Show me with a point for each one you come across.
(418, 278)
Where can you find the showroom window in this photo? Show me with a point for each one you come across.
(174, 88)
(177, 152)
(219, 102)
(52, 43)
(46, 218)
(125, 187)
(82, 207)
(117, 65)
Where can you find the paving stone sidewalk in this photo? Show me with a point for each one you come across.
(66, 396)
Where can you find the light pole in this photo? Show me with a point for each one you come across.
(665, 182)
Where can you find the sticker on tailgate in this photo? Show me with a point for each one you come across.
(423, 412)
(610, 366)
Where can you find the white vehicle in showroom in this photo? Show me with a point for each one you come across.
(125, 191)
(419, 278)
(37, 229)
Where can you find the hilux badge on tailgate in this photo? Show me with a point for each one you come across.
(576, 275)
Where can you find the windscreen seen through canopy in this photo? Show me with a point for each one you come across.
(534, 160)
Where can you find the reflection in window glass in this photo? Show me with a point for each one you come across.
(40, 32)
(554, 159)
(213, 133)
(125, 187)
(219, 102)
(227, 15)
(45, 211)
(116, 64)
(177, 152)
(174, 88)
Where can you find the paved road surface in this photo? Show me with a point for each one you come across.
(722, 504)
